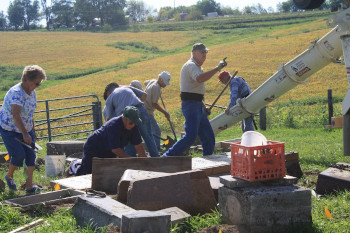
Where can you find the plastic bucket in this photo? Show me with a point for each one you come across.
(253, 138)
(55, 165)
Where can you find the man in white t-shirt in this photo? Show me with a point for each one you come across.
(153, 91)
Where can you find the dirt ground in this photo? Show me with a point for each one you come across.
(224, 229)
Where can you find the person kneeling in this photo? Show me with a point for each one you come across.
(109, 140)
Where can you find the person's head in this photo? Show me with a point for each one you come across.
(137, 84)
(224, 77)
(199, 53)
(109, 89)
(164, 79)
(33, 75)
(131, 117)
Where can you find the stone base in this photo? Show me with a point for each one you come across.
(265, 208)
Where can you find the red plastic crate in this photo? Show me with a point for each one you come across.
(258, 163)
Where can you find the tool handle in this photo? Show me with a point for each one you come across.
(217, 98)
(171, 125)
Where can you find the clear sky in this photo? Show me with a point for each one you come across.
(156, 4)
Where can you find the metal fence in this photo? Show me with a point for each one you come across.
(71, 117)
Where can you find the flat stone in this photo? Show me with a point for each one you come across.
(189, 191)
(232, 182)
(48, 198)
(99, 211)
(75, 182)
(265, 207)
(64, 147)
(333, 180)
(177, 215)
(213, 164)
(106, 172)
(132, 175)
(215, 185)
(146, 221)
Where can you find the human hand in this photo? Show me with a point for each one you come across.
(207, 111)
(166, 114)
(227, 111)
(27, 139)
(221, 64)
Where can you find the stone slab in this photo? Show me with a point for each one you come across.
(213, 164)
(232, 182)
(64, 147)
(75, 182)
(99, 211)
(177, 215)
(49, 198)
(146, 221)
(132, 175)
(215, 185)
(227, 143)
(189, 191)
(265, 207)
(332, 180)
(106, 172)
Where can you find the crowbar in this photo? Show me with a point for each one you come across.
(33, 146)
(171, 125)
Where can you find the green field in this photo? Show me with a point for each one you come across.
(80, 63)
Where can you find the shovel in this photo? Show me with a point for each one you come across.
(171, 125)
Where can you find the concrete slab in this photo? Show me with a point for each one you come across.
(75, 182)
(99, 211)
(292, 164)
(215, 185)
(49, 198)
(189, 190)
(232, 182)
(132, 175)
(177, 215)
(261, 208)
(64, 147)
(106, 173)
(213, 164)
(332, 180)
(146, 221)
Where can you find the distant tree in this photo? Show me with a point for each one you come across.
(226, 10)
(137, 10)
(334, 4)
(15, 14)
(259, 9)
(270, 10)
(207, 6)
(63, 13)
(47, 9)
(247, 10)
(166, 13)
(110, 11)
(2, 21)
(85, 12)
(31, 13)
(150, 19)
(287, 6)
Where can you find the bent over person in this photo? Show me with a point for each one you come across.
(239, 88)
(109, 140)
(17, 125)
(192, 86)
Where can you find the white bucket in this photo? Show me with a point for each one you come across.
(55, 165)
(253, 138)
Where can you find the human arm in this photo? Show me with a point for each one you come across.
(160, 109)
(120, 153)
(35, 137)
(207, 75)
(140, 150)
(16, 112)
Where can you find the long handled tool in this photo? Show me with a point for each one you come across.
(217, 98)
(171, 125)
(33, 147)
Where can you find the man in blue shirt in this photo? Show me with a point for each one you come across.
(239, 88)
(109, 140)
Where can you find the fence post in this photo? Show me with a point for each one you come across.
(330, 106)
(97, 114)
(262, 121)
(48, 119)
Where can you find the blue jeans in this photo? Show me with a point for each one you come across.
(247, 124)
(196, 124)
(18, 152)
(145, 131)
(156, 132)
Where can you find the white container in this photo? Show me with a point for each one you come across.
(55, 165)
(253, 138)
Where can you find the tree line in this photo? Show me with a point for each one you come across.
(84, 14)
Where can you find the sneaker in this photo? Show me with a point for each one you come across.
(11, 183)
(33, 190)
